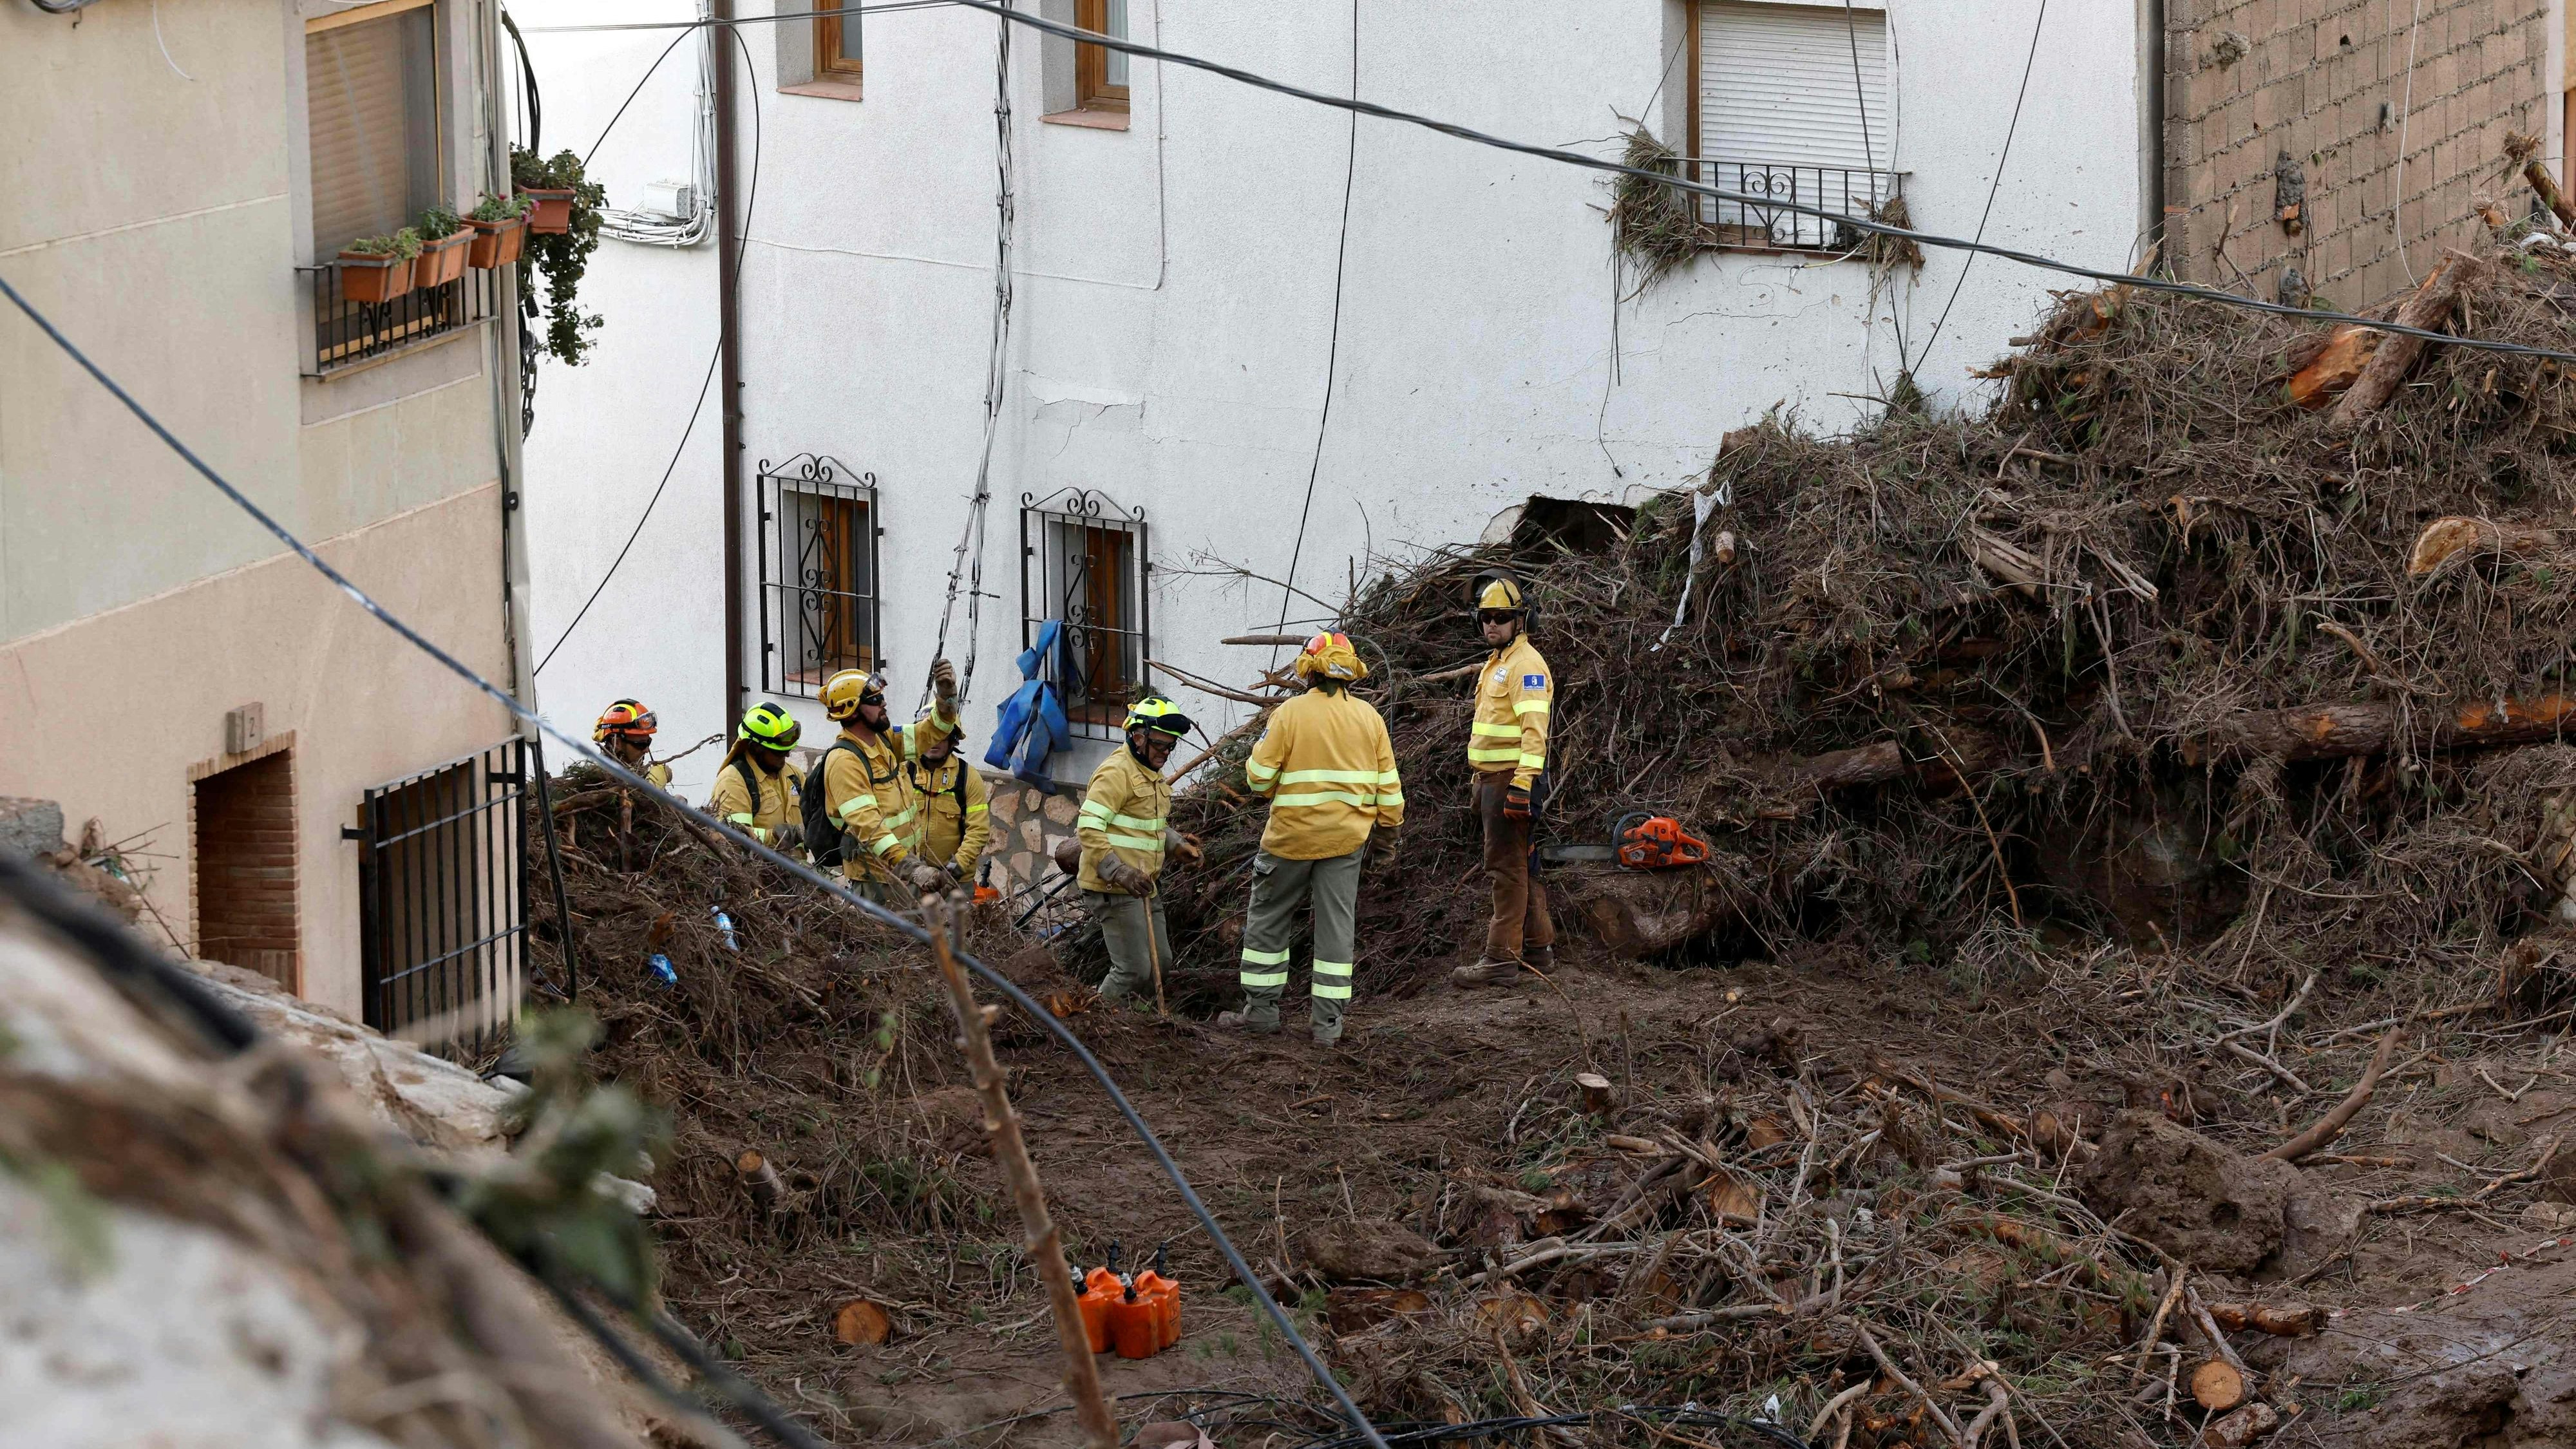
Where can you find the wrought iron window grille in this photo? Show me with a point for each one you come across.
(347, 332)
(443, 898)
(1745, 225)
(1084, 560)
(818, 573)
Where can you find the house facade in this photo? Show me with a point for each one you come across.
(292, 788)
(1253, 344)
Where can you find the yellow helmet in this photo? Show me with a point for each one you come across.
(1498, 592)
(1331, 655)
(768, 725)
(1158, 714)
(844, 692)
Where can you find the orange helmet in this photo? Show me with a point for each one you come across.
(1331, 655)
(628, 720)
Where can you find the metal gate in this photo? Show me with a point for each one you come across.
(443, 904)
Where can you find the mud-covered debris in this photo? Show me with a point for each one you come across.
(1369, 1249)
(2208, 1206)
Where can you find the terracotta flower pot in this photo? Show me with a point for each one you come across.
(441, 261)
(551, 211)
(496, 243)
(365, 278)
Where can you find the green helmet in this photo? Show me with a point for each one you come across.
(769, 726)
(1158, 714)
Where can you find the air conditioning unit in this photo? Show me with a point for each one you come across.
(677, 200)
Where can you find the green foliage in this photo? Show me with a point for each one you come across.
(404, 243)
(561, 257)
(499, 208)
(438, 223)
(79, 1219)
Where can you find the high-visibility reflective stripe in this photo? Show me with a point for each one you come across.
(1322, 797)
(742, 818)
(1258, 772)
(1533, 762)
(1530, 706)
(1334, 777)
(1384, 801)
(1502, 731)
(905, 818)
(886, 843)
(1094, 807)
(1492, 757)
(1265, 958)
(1388, 780)
(1332, 968)
(760, 833)
(1264, 978)
(1151, 846)
(1330, 988)
(978, 809)
(851, 806)
(1133, 822)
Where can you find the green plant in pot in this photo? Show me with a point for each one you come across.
(378, 269)
(559, 256)
(443, 240)
(500, 227)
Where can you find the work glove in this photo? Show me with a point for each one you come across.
(956, 873)
(791, 839)
(1516, 803)
(943, 681)
(1125, 877)
(1068, 855)
(929, 879)
(1184, 848)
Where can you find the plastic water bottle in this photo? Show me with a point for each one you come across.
(724, 928)
(663, 974)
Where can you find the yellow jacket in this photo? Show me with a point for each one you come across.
(1329, 770)
(1125, 809)
(956, 812)
(865, 791)
(735, 804)
(1512, 695)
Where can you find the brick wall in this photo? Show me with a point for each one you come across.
(241, 885)
(2325, 81)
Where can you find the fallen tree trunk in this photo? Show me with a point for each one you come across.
(2546, 186)
(2335, 368)
(2395, 356)
(2333, 731)
(2447, 539)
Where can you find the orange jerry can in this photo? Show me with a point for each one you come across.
(1100, 1288)
(1165, 1294)
(1135, 1324)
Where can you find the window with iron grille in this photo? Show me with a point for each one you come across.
(1790, 105)
(818, 573)
(442, 898)
(1083, 561)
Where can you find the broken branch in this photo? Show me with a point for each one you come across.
(2331, 1125)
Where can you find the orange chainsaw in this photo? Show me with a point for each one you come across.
(1640, 841)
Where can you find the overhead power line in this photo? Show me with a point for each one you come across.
(909, 929)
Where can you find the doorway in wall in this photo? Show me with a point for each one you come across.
(241, 841)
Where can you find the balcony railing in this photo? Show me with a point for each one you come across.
(1767, 224)
(348, 332)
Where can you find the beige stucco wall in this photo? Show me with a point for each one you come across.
(365, 708)
(158, 220)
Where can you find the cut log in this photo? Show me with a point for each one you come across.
(2333, 731)
(861, 1324)
(760, 1179)
(2447, 539)
(2217, 1386)
(2241, 1428)
(1597, 1096)
(2335, 368)
(2546, 186)
(2395, 356)
(1292, 641)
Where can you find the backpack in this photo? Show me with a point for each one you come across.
(822, 832)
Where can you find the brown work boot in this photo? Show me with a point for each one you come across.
(1540, 958)
(1243, 1022)
(1488, 972)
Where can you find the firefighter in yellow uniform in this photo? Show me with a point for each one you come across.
(1329, 771)
(1507, 749)
(755, 790)
(1125, 829)
(956, 805)
(624, 732)
(865, 795)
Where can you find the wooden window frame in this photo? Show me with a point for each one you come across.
(831, 67)
(1091, 88)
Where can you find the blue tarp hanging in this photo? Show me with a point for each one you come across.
(1030, 725)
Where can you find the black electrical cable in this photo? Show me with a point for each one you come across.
(528, 79)
(742, 249)
(1992, 187)
(844, 11)
(1332, 349)
(904, 926)
(620, 113)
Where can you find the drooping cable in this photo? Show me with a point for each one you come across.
(1332, 348)
(750, 199)
(968, 570)
(904, 926)
(1992, 186)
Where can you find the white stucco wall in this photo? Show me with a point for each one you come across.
(1175, 304)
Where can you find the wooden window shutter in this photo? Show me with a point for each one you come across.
(371, 100)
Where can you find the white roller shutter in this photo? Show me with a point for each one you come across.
(1776, 85)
